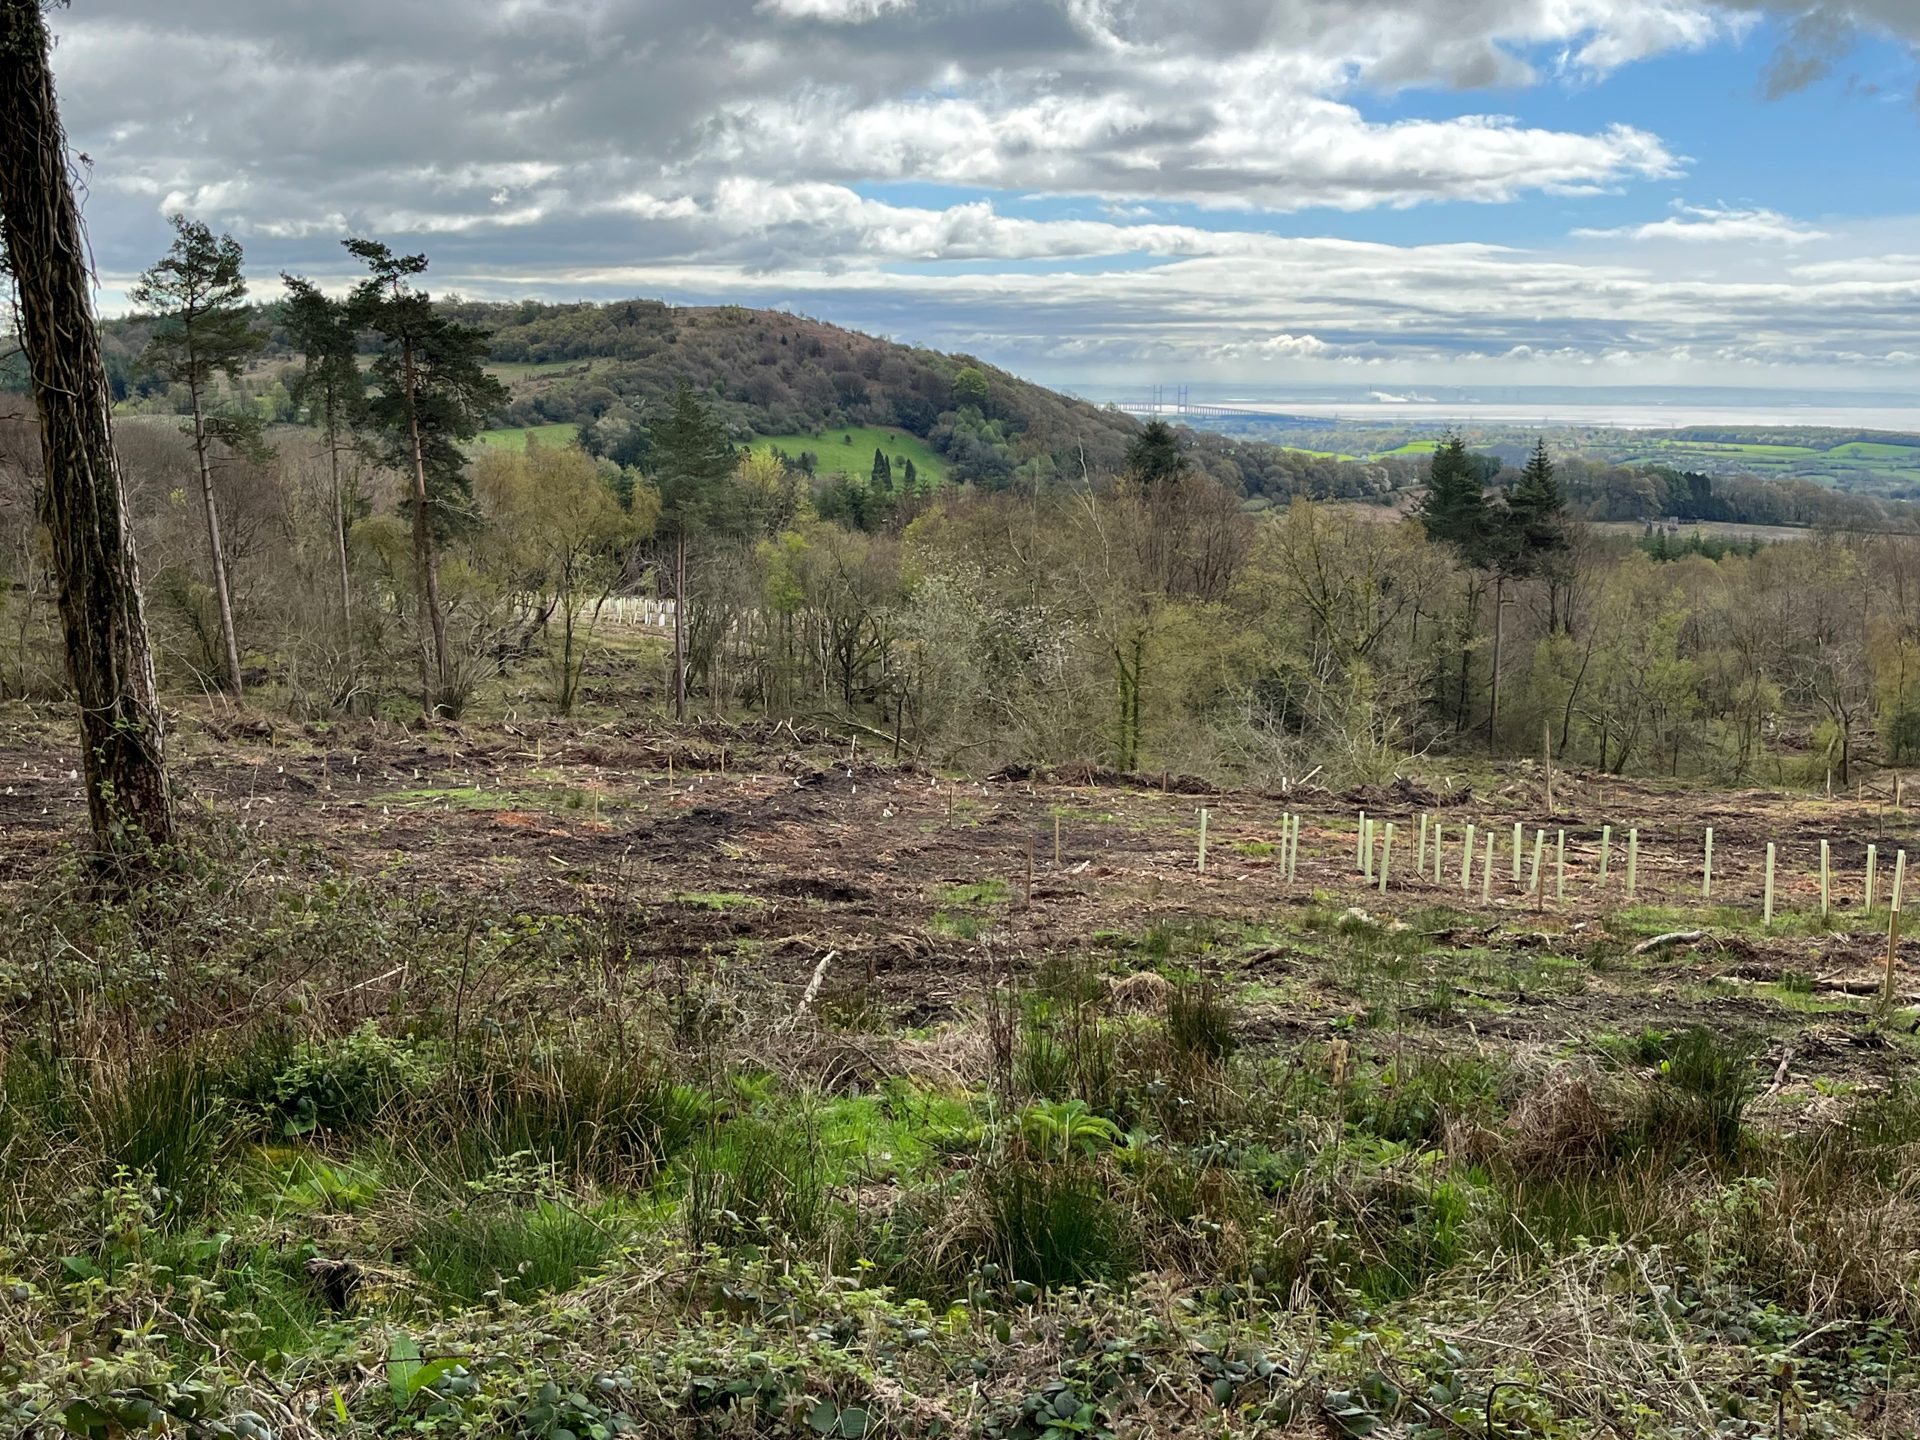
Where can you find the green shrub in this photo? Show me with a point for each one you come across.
(1695, 1103)
(1412, 1100)
(1199, 1022)
(597, 1117)
(337, 1085)
(1052, 1223)
(166, 1121)
(758, 1181)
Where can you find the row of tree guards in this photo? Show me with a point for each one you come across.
(1374, 853)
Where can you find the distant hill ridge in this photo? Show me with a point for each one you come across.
(772, 373)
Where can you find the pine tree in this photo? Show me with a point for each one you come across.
(83, 500)
(332, 387)
(692, 461)
(882, 476)
(1454, 513)
(909, 480)
(1155, 454)
(1538, 509)
(1454, 509)
(433, 393)
(198, 291)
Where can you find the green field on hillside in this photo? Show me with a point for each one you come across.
(850, 450)
(517, 436)
(511, 370)
(1875, 450)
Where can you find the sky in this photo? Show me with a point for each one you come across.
(1257, 193)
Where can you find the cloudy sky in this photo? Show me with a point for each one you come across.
(1088, 191)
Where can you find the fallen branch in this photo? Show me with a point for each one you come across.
(813, 985)
(1672, 937)
(1780, 1075)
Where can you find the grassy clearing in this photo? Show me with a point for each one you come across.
(851, 451)
(524, 369)
(517, 437)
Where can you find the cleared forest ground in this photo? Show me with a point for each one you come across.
(730, 1080)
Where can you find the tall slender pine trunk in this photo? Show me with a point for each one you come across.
(1493, 695)
(680, 625)
(340, 533)
(84, 502)
(216, 547)
(434, 675)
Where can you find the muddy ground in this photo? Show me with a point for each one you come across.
(784, 845)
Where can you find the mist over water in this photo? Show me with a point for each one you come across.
(1608, 416)
(1546, 407)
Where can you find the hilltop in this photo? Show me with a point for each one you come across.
(808, 386)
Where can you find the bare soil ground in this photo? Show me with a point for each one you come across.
(778, 845)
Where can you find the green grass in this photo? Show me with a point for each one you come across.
(517, 436)
(851, 450)
(1412, 447)
(719, 901)
(521, 369)
(1875, 450)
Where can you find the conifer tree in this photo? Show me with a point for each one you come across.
(693, 461)
(332, 387)
(1454, 509)
(198, 292)
(433, 392)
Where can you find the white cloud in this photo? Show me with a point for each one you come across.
(840, 12)
(1136, 151)
(1699, 225)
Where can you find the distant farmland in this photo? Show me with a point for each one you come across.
(849, 450)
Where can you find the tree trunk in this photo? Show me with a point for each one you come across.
(1493, 697)
(84, 503)
(216, 549)
(1466, 651)
(433, 681)
(680, 626)
(340, 536)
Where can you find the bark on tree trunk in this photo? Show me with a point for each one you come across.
(340, 538)
(84, 504)
(433, 673)
(1493, 698)
(216, 549)
(680, 627)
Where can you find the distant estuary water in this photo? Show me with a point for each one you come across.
(1628, 415)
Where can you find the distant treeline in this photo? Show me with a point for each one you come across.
(1600, 491)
